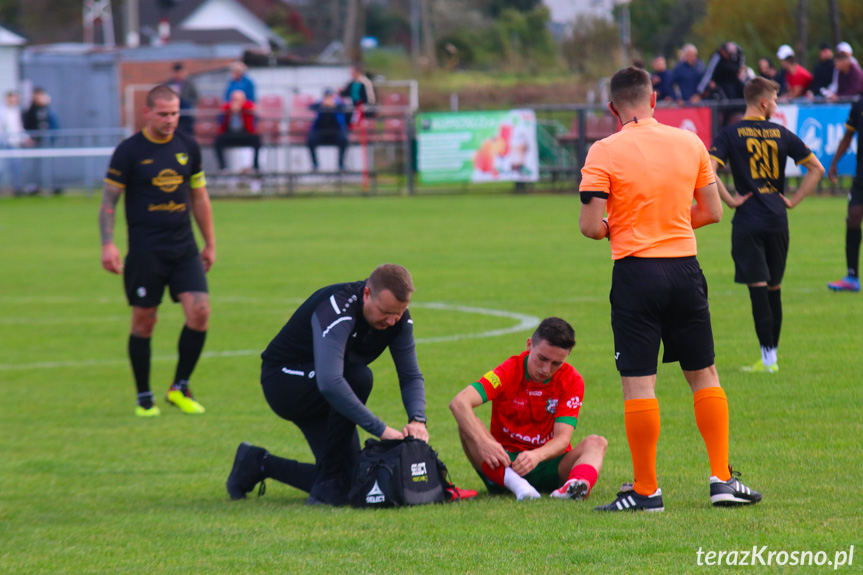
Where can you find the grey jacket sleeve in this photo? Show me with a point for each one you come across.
(329, 346)
(411, 381)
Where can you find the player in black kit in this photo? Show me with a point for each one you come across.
(315, 373)
(853, 235)
(757, 150)
(160, 171)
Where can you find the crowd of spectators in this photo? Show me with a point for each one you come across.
(725, 73)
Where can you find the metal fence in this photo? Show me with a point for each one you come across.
(381, 156)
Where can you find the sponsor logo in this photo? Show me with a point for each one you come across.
(535, 393)
(573, 402)
(168, 181)
(312, 374)
(293, 372)
(182, 158)
(146, 162)
(617, 355)
(493, 379)
(418, 471)
(551, 405)
(169, 207)
(535, 440)
(141, 291)
(375, 495)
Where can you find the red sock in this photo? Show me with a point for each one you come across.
(585, 472)
(496, 475)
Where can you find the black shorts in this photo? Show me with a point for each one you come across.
(146, 274)
(758, 256)
(660, 299)
(855, 196)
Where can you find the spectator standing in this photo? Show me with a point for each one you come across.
(238, 128)
(330, 128)
(359, 90)
(724, 71)
(841, 48)
(849, 77)
(13, 136)
(185, 87)
(687, 74)
(40, 118)
(766, 69)
(797, 78)
(239, 81)
(822, 74)
(661, 79)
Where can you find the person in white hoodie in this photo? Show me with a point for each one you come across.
(12, 135)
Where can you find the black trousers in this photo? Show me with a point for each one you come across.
(292, 393)
(236, 140)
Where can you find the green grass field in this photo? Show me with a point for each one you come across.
(85, 487)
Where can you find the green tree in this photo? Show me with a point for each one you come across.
(661, 27)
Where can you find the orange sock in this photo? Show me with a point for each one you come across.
(642, 433)
(711, 416)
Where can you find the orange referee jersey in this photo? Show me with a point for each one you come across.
(650, 172)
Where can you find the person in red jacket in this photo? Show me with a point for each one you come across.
(238, 128)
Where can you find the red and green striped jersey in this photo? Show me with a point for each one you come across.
(523, 412)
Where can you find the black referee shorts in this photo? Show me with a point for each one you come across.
(758, 256)
(146, 274)
(660, 299)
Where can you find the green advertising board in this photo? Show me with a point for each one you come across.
(498, 146)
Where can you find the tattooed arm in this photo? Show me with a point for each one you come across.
(110, 254)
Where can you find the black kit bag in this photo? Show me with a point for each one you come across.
(397, 473)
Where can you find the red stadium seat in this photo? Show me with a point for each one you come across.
(206, 131)
(271, 107)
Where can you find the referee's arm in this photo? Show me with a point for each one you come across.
(592, 220)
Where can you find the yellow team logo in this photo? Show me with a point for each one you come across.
(493, 379)
(168, 180)
(182, 158)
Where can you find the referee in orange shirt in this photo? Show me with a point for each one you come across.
(646, 176)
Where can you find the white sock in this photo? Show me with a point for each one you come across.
(768, 356)
(519, 485)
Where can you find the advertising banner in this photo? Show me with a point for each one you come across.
(698, 120)
(822, 128)
(497, 146)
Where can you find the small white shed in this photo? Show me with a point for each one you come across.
(10, 45)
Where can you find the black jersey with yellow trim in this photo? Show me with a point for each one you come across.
(855, 124)
(157, 177)
(758, 150)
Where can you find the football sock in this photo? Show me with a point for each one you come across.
(768, 355)
(852, 250)
(762, 315)
(775, 298)
(586, 472)
(296, 474)
(495, 475)
(519, 485)
(711, 417)
(642, 433)
(189, 347)
(139, 357)
(145, 399)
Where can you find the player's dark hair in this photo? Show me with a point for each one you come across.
(394, 278)
(556, 331)
(757, 88)
(160, 92)
(629, 87)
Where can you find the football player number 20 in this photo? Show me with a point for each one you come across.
(763, 158)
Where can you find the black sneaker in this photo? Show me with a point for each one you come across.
(731, 493)
(629, 500)
(247, 472)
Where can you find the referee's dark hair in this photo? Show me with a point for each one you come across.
(161, 92)
(630, 87)
(391, 277)
(556, 331)
(758, 88)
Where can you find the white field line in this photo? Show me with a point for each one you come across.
(525, 322)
